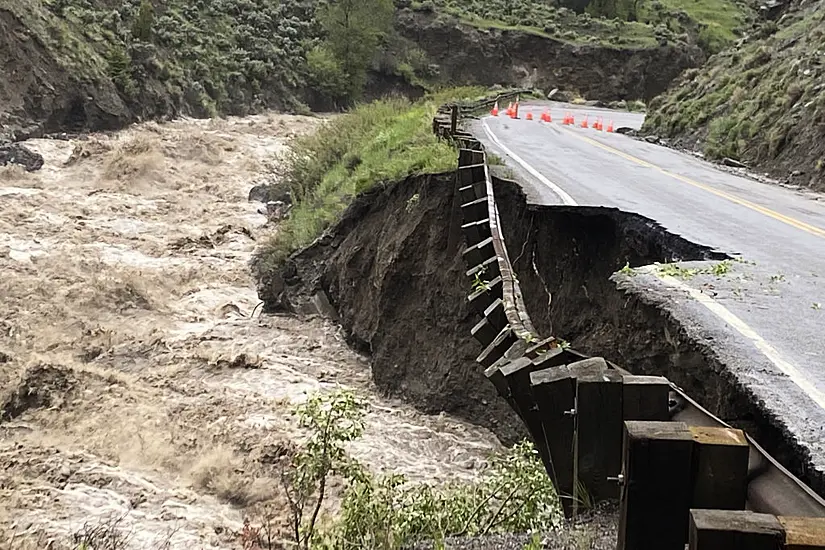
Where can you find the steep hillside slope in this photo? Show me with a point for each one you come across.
(76, 64)
(762, 102)
(468, 54)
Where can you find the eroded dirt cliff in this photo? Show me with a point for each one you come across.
(468, 54)
(392, 269)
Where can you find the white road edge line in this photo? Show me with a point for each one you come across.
(739, 325)
(562, 194)
(712, 305)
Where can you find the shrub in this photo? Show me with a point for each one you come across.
(387, 511)
(326, 75)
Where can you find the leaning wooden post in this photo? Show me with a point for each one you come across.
(720, 468)
(734, 530)
(657, 489)
(645, 398)
(554, 390)
(597, 455)
(453, 119)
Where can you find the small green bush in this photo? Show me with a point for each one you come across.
(387, 511)
(380, 142)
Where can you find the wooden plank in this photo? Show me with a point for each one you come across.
(720, 468)
(591, 366)
(489, 270)
(483, 297)
(598, 443)
(803, 533)
(497, 347)
(468, 176)
(645, 398)
(476, 210)
(733, 530)
(657, 490)
(476, 254)
(467, 157)
(554, 390)
(475, 232)
(484, 332)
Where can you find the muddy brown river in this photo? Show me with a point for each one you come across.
(140, 386)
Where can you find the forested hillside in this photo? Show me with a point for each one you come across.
(69, 65)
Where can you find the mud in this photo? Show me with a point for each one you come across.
(142, 394)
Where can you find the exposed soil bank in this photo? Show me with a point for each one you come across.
(576, 252)
(392, 269)
(469, 55)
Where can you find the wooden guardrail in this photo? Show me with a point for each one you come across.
(603, 433)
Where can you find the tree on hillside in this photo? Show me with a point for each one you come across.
(354, 29)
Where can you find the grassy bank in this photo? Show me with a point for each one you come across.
(375, 143)
(763, 103)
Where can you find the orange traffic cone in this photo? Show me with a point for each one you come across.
(509, 111)
(494, 112)
(529, 116)
(515, 108)
(598, 124)
(546, 116)
(584, 123)
(610, 127)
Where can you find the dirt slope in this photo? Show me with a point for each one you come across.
(468, 54)
(761, 102)
(392, 268)
(140, 392)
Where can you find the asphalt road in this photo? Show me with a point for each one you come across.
(766, 316)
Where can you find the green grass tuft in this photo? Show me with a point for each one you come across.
(376, 143)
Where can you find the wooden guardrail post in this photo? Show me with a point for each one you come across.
(554, 390)
(597, 452)
(645, 398)
(720, 468)
(453, 119)
(734, 530)
(657, 491)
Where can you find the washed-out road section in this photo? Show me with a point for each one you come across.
(763, 313)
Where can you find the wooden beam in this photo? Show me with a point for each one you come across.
(645, 398)
(657, 490)
(734, 530)
(720, 468)
(803, 533)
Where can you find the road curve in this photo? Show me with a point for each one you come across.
(768, 313)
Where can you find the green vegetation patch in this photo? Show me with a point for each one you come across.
(761, 103)
(376, 143)
(388, 511)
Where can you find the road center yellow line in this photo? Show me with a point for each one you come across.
(812, 229)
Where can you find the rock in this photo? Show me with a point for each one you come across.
(16, 153)
(652, 139)
(259, 193)
(733, 163)
(797, 173)
(626, 131)
(269, 192)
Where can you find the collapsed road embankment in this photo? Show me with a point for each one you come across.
(391, 270)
